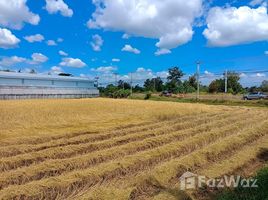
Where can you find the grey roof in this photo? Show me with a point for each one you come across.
(16, 75)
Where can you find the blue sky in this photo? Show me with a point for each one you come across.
(89, 35)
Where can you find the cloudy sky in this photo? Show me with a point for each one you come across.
(144, 37)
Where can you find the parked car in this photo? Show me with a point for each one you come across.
(166, 94)
(255, 95)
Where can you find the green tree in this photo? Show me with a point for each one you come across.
(214, 86)
(264, 86)
(123, 85)
(174, 83)
(175, 75)
(187, 87)
(233, 82)
(138, 88)
(154, 84)
(192, 81)
(148, 86)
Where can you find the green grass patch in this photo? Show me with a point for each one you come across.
(241, 193)
(260, 103)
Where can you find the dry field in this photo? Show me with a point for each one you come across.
(122, 149)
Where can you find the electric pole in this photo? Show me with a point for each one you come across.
(226, 81)
(197, 79)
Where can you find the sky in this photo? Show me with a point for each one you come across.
(135, 38)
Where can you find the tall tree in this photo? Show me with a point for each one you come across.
(123, 85)
(233, 84)
(174, 83)
(192, 81)
(264, 86)
(175, 74)
(154, 84)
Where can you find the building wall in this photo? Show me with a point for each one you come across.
(23, 86)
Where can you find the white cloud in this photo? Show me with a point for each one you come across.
(13, 14)
(243, 75)
(62, 53)
(107, 69)
(36, 58)
(256, 2)
(54, 6)
(163, 74)
(7, 39)
(72, 62)
(169, 21)
(59, 40)
(34, 38)
(97, 42)
(39, 58)
(131, 49)
(232, 26)
(56, 70)
(266, 53)
(141, 74)
(11, 61)
(125, 36)
(259, 75)
(115, 60)
(162, 52)
(207, 73)
(51, 43)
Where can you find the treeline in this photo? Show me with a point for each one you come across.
(175, 85)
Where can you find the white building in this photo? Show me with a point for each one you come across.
(23, 85)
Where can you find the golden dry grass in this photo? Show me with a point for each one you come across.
(120, 149)
(54, 117)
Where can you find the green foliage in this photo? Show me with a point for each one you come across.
(148, 95)
(121, 93)
(138, 89)
(155, 84)
(123, 85)
(193, 82)
(214, 86)
(114, 92)
(241, 193)
(233, 84)
(108, 91)
(189, 85)
(264, 86)
(175, 85)
(175, 75)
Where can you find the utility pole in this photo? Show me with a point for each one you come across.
(197, 79)
(226, 81)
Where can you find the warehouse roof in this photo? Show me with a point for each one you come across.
(15, 75)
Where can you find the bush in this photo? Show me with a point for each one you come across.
(121, 93)
(242, 193)
(148, 95)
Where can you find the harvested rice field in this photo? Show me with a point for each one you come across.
(123, 149)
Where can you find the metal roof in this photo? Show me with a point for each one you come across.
(16, 75)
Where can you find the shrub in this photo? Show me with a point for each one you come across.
(148, 95)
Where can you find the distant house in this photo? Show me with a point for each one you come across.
(25, 85)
